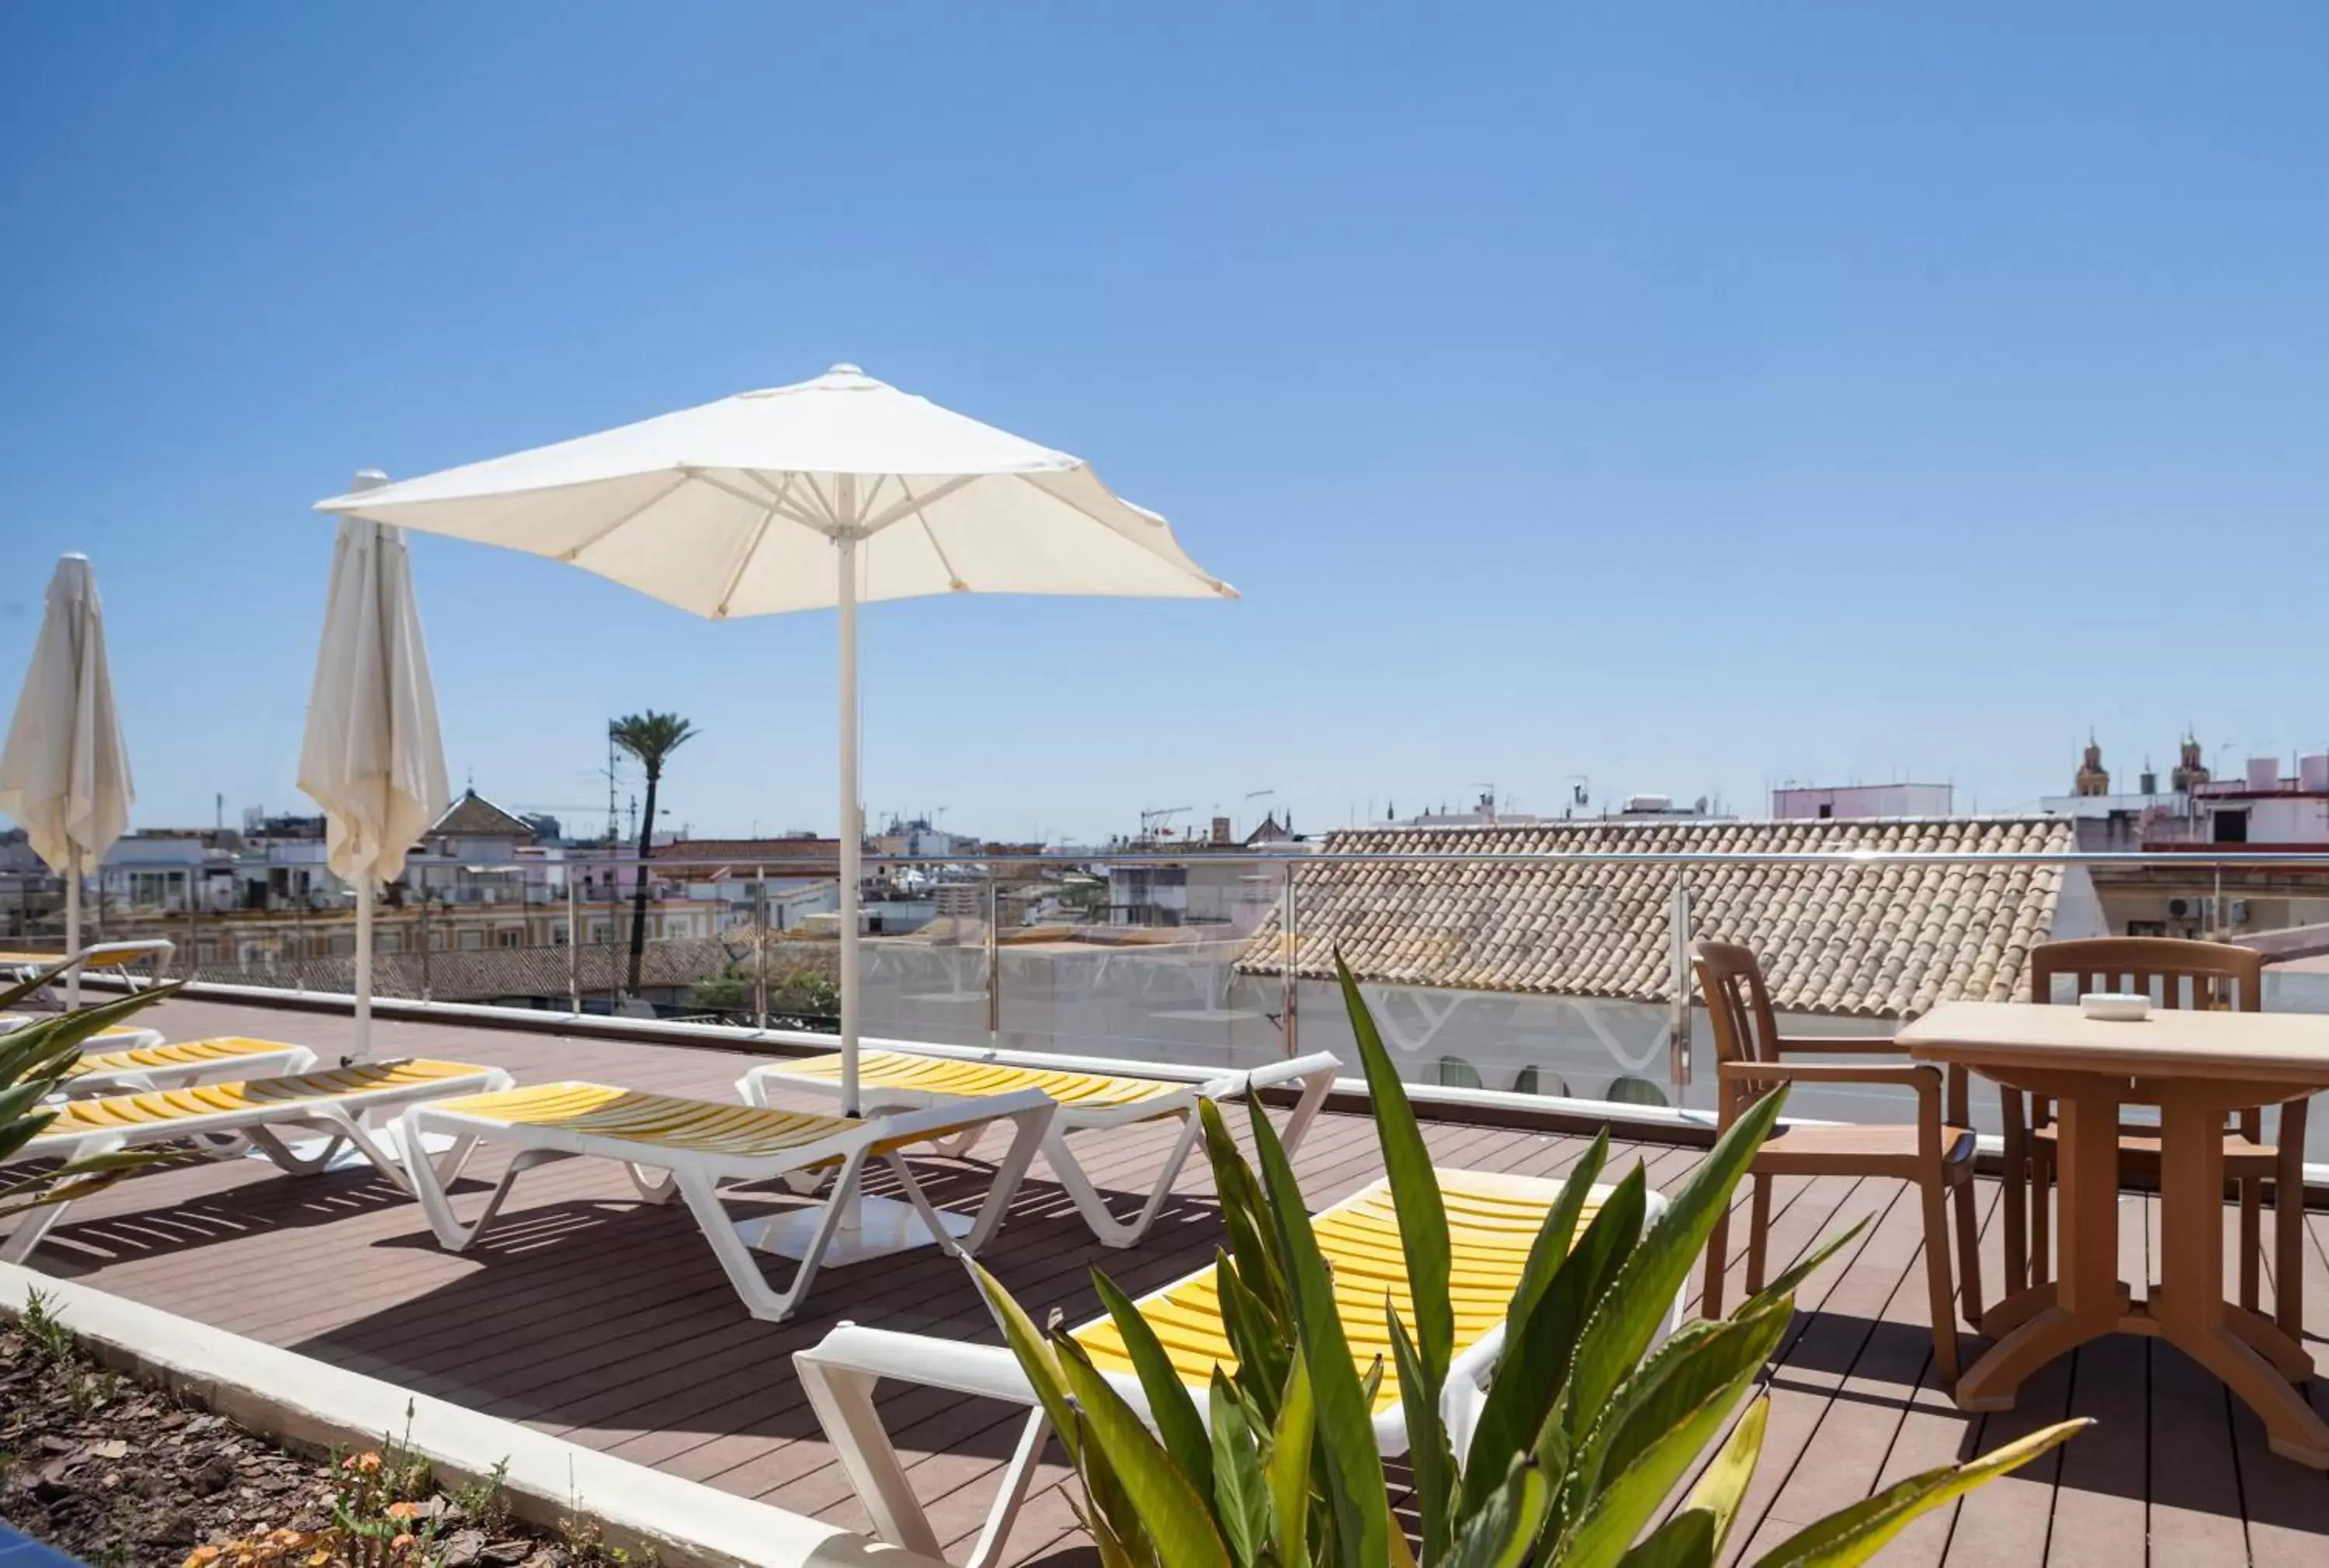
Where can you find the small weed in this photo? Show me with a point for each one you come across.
(483, 1501)
(587, 1547)
(45, 1332)
(121, 1546)
(91, 1390)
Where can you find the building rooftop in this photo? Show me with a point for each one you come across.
(1865, 941)
(473, 816)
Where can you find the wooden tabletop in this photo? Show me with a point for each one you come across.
(2262, 1047)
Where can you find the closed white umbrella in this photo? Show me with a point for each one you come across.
(830, 492)
(372, 757)
(64, 774)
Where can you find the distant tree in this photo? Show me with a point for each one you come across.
(651, 738)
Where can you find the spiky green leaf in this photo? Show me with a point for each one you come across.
(1860, 1531)
(1240, 1490)
(1651, 1278)
(1345, 1427)
(1723, 1482)
(1178, 1522)
(1169, 1404)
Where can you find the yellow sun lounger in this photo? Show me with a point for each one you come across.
(97, 955)
(111, 1039)
(690, 1147)
(153, 1064)
(1088, 1101)
(341, 1102)
(1492, 1221)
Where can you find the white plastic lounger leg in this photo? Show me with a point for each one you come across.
(428, 1183)
(289, 1161)
(1316, 1073)
(35, 1223)
(655, 1185)
(1111, 1231)
(840, 1375)
(760, 1299)
(1018, 1481)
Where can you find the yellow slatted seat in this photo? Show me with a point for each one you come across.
(664, 1121)
(114, 1112)
(1492, 1221)
(177, 1054)
(950, 1075)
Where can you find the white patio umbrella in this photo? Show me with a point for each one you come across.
(64, 774)
(372, 757)
(830, 492)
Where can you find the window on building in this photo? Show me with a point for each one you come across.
(509, 936)
(2231, 827)
(1827, 811)
(2146, 928)
(473, 940)
(558, 934)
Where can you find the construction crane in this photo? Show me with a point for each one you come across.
(1153, 818)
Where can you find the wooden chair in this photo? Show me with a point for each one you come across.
(2208, 975)
(1936, 1153)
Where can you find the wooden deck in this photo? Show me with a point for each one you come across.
(590, 1316)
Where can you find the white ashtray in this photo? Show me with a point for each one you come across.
(2118, 1006)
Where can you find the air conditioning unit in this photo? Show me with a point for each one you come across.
(2184, 909)
(2238, 908)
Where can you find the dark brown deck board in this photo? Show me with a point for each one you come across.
(592, 1316)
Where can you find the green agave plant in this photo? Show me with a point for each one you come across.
(1585, 1432)
(35, 1061)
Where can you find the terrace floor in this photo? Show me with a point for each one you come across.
(590, 1316)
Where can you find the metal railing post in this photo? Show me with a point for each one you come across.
(1678, 978)
(573, 950)
(426, 987)
(760, 945)
(1290, 980)
(994, 969)
(299, 944)
(194, 928)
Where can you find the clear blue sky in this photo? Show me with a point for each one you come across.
(1690, 396)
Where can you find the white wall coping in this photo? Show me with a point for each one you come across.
(314, 1404)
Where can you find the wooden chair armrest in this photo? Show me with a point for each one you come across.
(1842, 1045)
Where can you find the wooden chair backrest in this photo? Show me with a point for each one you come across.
(2202, 976)
(2197, 976)
(1739, 1006)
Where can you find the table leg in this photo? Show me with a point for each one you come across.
(2189, 1300)
(2086, 1300)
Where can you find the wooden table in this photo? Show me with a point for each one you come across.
(2196, 1067)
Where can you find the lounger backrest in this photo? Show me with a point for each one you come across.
(958, 1076)
(1492, 1221)
(191, 1105)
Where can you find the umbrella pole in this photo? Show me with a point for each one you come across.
(846, 548)
(364, 972)
(72, 927)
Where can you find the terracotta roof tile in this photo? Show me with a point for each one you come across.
(1849, 938)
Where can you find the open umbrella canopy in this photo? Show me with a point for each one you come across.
(732, 508)
(829, 493)
(64, 774)
(371, 756)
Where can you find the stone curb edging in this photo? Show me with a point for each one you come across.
(310, 1404)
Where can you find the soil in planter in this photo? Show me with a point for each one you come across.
(124, 1476)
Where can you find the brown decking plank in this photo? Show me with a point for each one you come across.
(1809, 1372)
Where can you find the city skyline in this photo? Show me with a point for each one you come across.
(1694, 402)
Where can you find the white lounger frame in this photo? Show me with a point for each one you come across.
(130, 1038)
(346, 1120)
(841, 1372)
(119, 955)
(1316, 1073)
(659, 1171)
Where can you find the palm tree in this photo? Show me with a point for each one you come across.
(652, 738)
